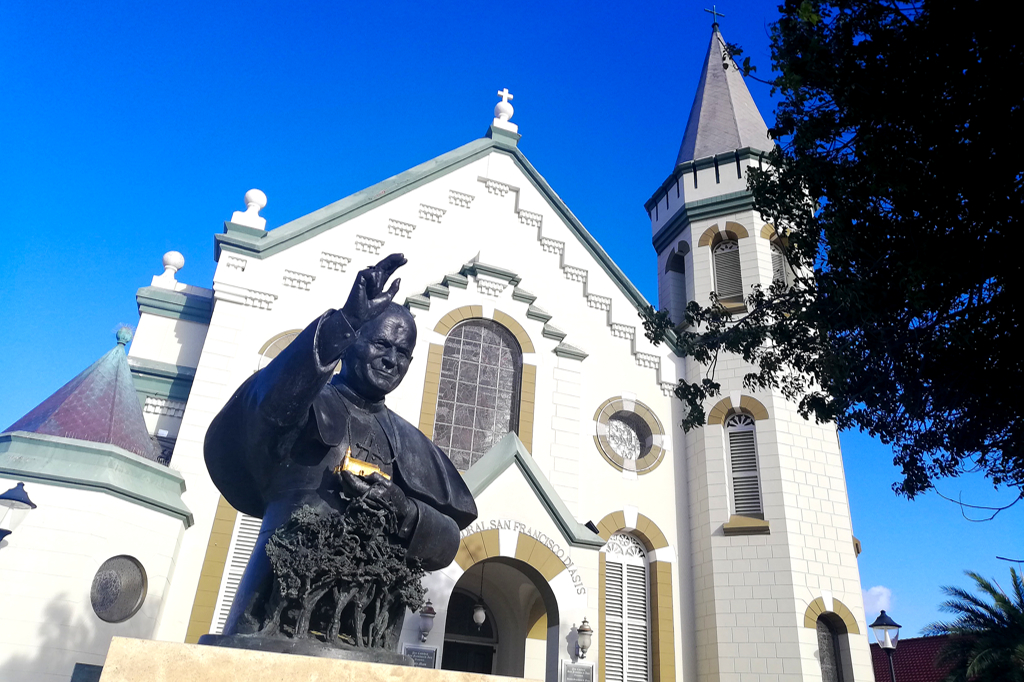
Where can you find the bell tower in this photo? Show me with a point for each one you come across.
(776, 587)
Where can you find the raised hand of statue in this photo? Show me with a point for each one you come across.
(368, 299)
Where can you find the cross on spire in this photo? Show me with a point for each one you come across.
(504, 94)
(714, 13)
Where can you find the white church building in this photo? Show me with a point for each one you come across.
(722, 554)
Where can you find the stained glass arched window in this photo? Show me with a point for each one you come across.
(478, 395)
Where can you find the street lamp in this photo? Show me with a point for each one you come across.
(887, 634)
(584, 636)
(427, 616)
(15, 498)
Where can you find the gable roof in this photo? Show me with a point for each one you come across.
(724, 117)
(510, 450)
(99, 405)
(260, 244)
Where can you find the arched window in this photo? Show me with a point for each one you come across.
(778, 264)
(627, 638)
(728, 283)
(478, 394)
(829, 652)
(746, 490)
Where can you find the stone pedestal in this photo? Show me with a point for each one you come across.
(142, 660)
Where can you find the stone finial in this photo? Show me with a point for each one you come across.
(503, 111)
(173, 261)
(255, 200)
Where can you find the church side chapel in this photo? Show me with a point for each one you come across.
(610, 546)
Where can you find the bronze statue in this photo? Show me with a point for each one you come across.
(356, 502)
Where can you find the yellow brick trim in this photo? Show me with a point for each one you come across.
(737, 230)
(517, 330)
(717, 413)
(768, 231)
(445, 324)
(745, 525)
(212, 572)
(431, 384)
(275, 337)
(715, 234)
(754, 406)
(527, 402)
(663, 663)
(724, 407)
(647, 531)
(817, 608)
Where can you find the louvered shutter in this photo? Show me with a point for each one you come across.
(746, 491)
(778, 264)
(243, 540)
(728, 283)
(614, 635)
(627, 648)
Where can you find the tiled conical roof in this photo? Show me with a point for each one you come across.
(99, 405)
(723, 117)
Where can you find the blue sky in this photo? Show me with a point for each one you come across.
(128, 129)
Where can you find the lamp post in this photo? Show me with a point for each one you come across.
(887, 634)
(15, 498)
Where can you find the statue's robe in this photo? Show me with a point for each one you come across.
(274, 446)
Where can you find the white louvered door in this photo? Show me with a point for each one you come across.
(746, 490)
(728, 282)
(778, 264)
(243, 540)
(627, 638)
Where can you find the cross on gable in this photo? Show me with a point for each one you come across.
(504, 94)
(714, 12)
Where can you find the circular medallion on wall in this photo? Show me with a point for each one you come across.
(118, 589)
(629, 435)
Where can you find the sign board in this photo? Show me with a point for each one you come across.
(577, 672)
(422, 656)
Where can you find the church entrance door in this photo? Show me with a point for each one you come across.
(519, 632)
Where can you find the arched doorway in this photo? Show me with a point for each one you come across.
(519, 637)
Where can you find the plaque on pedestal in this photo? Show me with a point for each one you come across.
(422, 656)
(577, 672)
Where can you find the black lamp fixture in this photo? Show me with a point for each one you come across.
(15, 498)
(887, 634)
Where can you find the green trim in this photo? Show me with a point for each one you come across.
(523, 296)
(564, 350)
(101, 467)
(685, 171)
(308, 226)
(162, 379)
(235, 228)
(539, 314)
(418, 301)
(176, 305)
(486, 270)
(439, 290)
(713, 207)
(455, 280)
(511, 450)
(550, 331)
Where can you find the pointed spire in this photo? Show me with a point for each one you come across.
(724, 117)
(99, 405)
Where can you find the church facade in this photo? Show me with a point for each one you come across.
(725, 553)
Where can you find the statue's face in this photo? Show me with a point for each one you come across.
(376, 363)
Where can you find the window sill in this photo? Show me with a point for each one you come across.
(745, 525)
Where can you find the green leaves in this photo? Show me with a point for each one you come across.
(896, 187)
